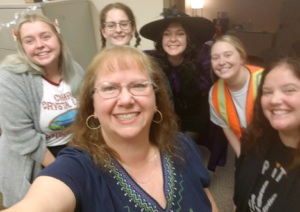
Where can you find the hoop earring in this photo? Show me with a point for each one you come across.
(161, 117)
(87, 123)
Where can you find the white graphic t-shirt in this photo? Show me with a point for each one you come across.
(58, 111)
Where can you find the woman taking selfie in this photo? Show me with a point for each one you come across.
(268, 170)
(125, 154)
(38, 90)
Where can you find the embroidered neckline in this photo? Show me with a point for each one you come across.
(137, 194)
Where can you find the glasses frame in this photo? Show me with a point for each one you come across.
(121, 86)
(115, 25)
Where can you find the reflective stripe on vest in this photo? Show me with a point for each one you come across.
(224, 105)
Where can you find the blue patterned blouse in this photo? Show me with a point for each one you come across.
(115, 191)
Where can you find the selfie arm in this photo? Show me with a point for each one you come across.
(46, 194)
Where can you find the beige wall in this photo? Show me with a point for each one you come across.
(144, 11)
(265, 14)
(12, 1)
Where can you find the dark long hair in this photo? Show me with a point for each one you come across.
(128, 12)
(260, 124)
(190, 57)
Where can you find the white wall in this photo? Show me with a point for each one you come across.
(145, 11)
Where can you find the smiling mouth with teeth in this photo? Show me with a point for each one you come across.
(126, 116)
(280, 112)
(224, 69)
(43, 53)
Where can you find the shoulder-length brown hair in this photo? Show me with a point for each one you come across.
(161, 135)
(260, 124)
(129, 14)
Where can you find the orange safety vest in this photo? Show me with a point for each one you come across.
(224, 105)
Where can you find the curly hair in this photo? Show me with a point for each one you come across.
(190, 57)
(129, 14)
(161, 135)
(260, 124)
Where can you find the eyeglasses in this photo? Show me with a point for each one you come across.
(109, 90)
(112, 25)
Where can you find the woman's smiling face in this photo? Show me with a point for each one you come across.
(40, 44)
(118, 36)
(280, 99)
(226, 61)
(124, 116)
(174, 40)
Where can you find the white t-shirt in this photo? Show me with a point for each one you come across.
(58, 111)
(239, 99)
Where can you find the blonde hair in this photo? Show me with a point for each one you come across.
(20, 63)
(235, 42)
(161, 135)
